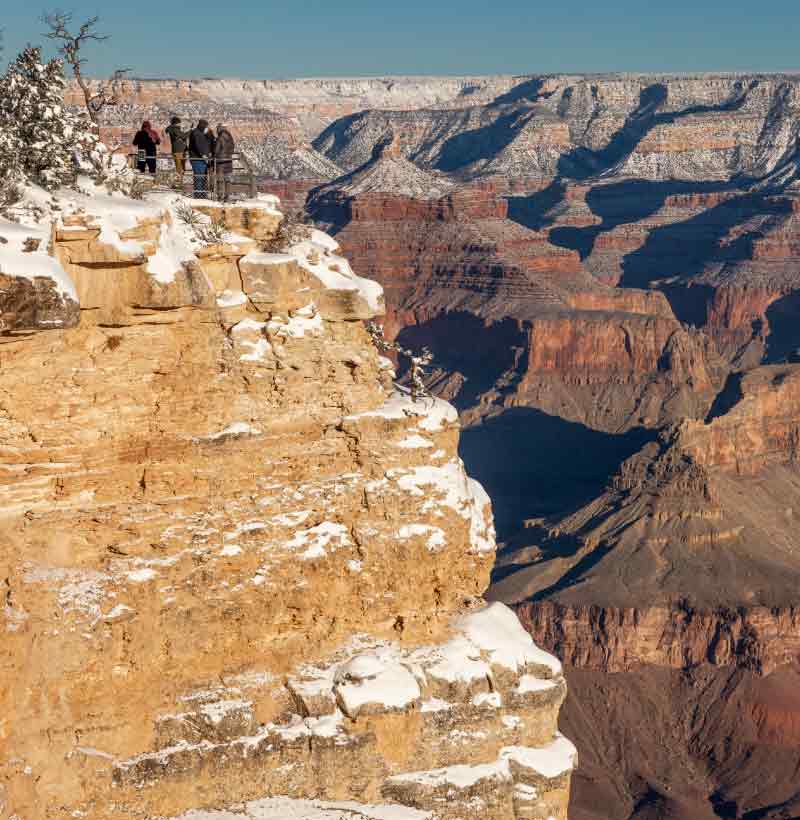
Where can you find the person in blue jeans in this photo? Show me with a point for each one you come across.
(201, 149)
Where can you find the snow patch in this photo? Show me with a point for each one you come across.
(375, 678)
(317, 540)
(415, 442)
(435, 535)
(231, 298)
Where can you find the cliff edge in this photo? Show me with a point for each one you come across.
(242, 572)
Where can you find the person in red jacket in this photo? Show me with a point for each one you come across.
(146, 142)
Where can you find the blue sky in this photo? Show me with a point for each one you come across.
(306, 38)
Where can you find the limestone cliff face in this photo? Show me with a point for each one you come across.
(240, 572)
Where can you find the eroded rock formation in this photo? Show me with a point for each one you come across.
(675, 590)
(240, 572)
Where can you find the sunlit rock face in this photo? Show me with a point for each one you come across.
(243, 572)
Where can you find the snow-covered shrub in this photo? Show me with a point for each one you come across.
(292, 230)
(41, 142)
(417, 362)
(10, 194)
(206, 230)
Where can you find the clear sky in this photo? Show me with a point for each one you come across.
(307, 38)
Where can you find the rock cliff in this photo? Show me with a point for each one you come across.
(242, 575)
(675, 591)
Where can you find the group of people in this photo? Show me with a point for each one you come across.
(208, 152)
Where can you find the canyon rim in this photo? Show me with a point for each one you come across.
(248, 576)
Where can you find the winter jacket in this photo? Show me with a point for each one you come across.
(178, 137)
(145, 142)
(200, 145)
(224, 147)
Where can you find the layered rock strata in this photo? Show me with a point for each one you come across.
(242, 574)
(609, 358)
(676, 590)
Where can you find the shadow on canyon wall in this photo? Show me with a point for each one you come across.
(479, 352)
(783, 342)
(482, 143)
(533, 464)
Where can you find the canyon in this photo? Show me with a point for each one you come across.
(607, 270)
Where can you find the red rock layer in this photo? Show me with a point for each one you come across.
(615, 639)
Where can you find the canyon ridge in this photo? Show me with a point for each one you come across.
(607, 271)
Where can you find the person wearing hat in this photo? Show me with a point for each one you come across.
(223, 160)
(200, 153)
(180, 141)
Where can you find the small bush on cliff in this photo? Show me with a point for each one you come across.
(293, 229)
(417, 362)
(206, 230)
(40, 141)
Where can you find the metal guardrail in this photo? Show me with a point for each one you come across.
(220, 180)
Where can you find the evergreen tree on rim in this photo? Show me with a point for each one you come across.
(40, 141)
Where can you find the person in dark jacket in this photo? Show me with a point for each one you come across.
(146, 140)
(223, 160)
(201, 149)
(180, 142)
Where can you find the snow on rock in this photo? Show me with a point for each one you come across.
(433, 414)
(176, 245)
(112, 213)
(287, 808)
(238, 428)
(231, 298)
(16, 262)
(257, 346)
(448, 485)
(302, 321)
(259, 350)
(549, 762)
(80, 591)
(316, 256)
(317, 540)
(375, 680)
(435, 535)
(530, 683)
(141, 576)
(218, 710)
(491, 699)
(415, 442)
(459, 776)
(496, 631)
(481, 528)
(457, 660)
(553, 760)
(121, 612)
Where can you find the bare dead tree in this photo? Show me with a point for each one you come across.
(60, 26)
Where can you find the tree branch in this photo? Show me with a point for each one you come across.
(60, 28)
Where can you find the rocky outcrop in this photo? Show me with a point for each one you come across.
(35, 291)
(676, 589)
(241, 573)
(714, 496)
